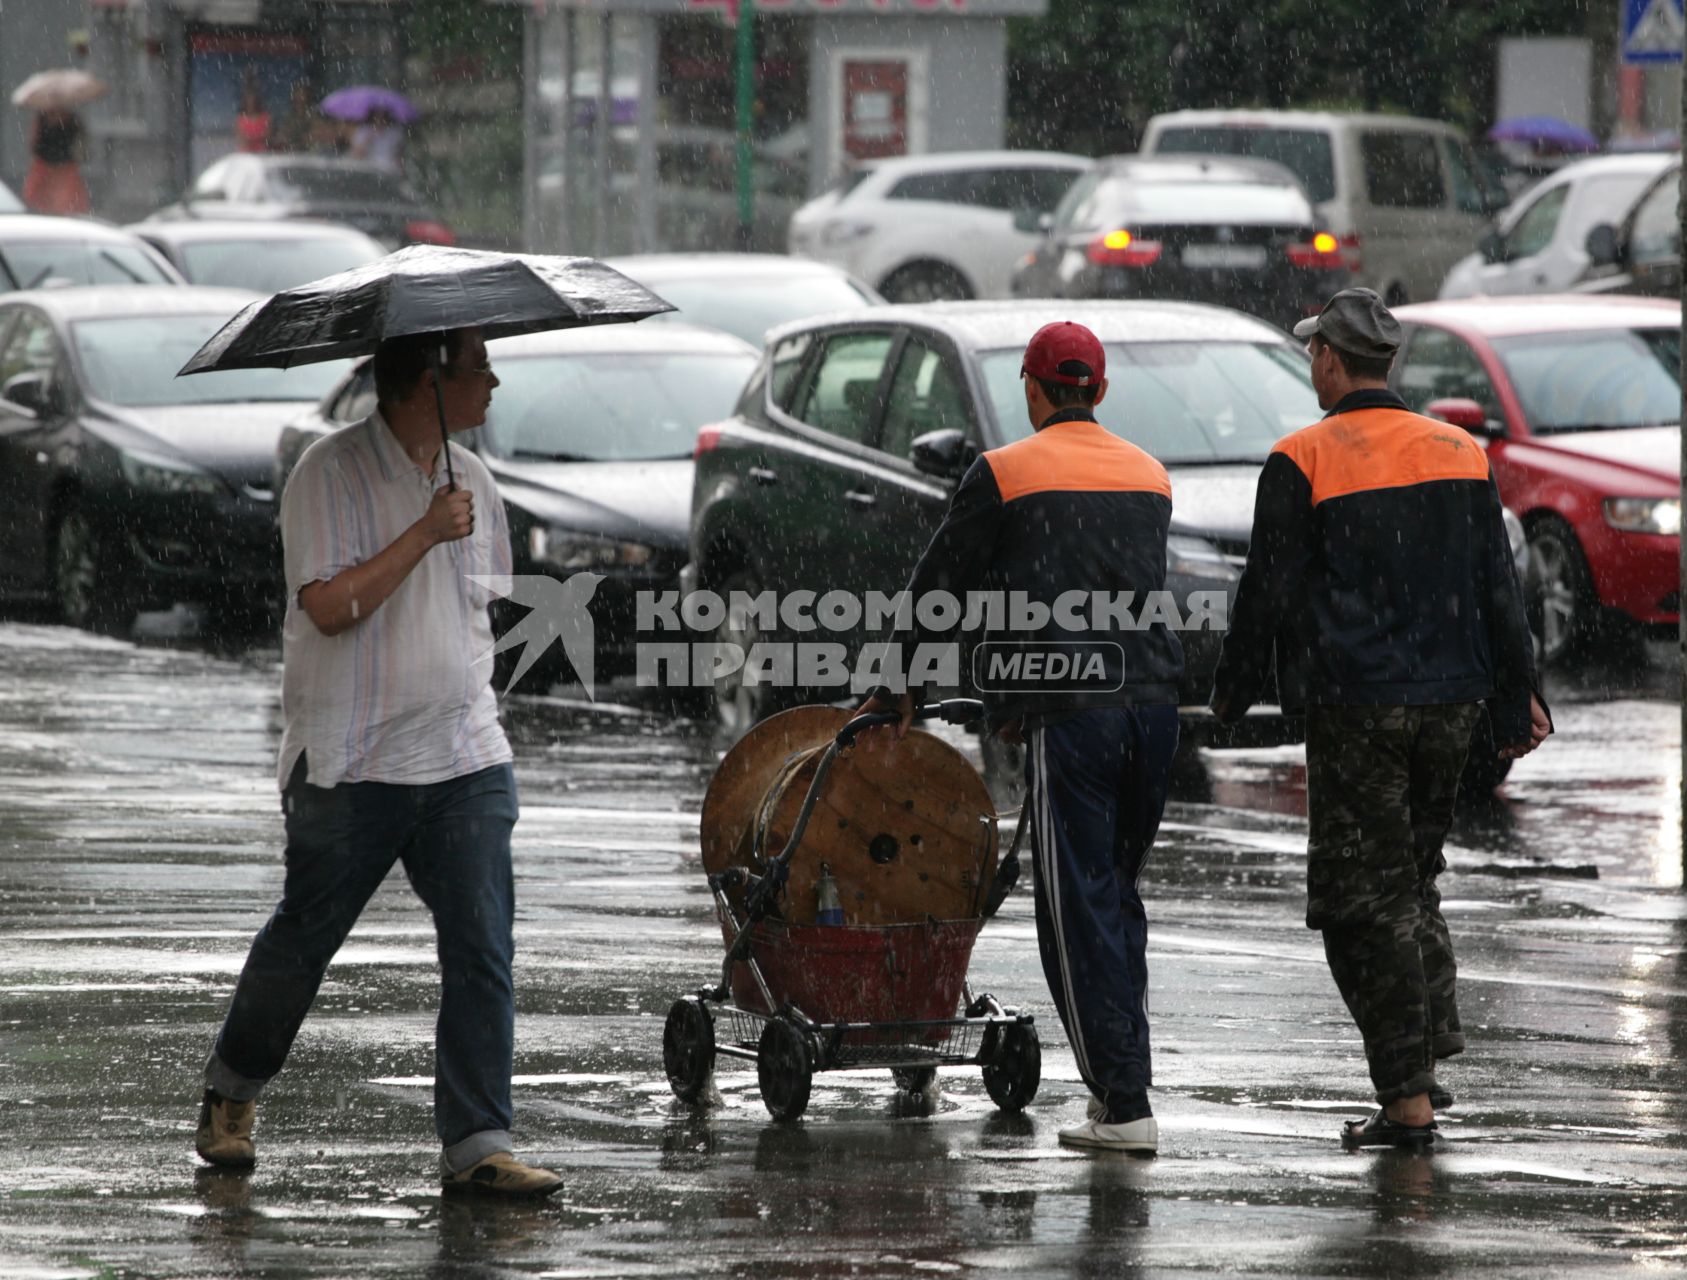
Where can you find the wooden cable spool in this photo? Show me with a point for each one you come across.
(907, 828)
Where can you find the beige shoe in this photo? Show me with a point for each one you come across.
(1141, 1136)
(501, 1174)
(225, 1131)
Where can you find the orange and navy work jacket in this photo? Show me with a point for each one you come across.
(1380, 569)
(1070, 509)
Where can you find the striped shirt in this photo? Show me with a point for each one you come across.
(405, 695)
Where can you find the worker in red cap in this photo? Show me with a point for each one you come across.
(1073, 513)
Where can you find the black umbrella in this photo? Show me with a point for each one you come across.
(424, 289)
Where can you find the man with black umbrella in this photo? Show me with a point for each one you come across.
(392, 752)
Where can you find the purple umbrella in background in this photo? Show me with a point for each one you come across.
(1547, 132)
(359, 101)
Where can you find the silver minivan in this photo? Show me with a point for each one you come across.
(1406, 197)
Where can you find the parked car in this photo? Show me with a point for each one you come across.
(1642, 252)
(1579, 402)
(1406, 197)
(590, 438)
(744, 294)
(281, 185)
(1540, 244)
(1236, 233)
(264, 257)
(123, 487)
(840, 460)
(38, 251)
(926, 227)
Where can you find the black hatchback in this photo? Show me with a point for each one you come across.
(1231, 232)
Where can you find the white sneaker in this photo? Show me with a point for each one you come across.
(1136, 1135)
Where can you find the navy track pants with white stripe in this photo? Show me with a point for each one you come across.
(1097, 785)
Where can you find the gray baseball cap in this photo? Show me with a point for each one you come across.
(1355, 321)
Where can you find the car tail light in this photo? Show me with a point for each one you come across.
(1352, 259)
(1122, 249)
(1323, 251)
(708, 439)
(428, 231)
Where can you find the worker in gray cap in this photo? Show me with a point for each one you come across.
(1381, 576)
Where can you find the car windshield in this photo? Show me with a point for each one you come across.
(334, 182)
(1305, 152)
(1595, 380)
(132, 361)
(267, 266)
(614, 407)
(1184, 402)
(1206, 202)
(749, 308)
(38, 262)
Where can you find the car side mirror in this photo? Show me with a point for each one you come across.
(946, 454)
(1491, 245)
(1460, 412)
(1603, 249)
(1032, 221)
(29, 392)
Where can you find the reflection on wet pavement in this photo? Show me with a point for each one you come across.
(139, 829)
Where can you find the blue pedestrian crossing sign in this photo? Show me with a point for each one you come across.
(1652, 30)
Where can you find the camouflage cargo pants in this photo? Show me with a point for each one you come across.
(1380, 785)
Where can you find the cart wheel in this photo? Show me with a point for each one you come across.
(1012, 1078)
(914, 1079)
(688, 1048)
(784, 1069)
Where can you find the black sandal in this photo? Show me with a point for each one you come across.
(1379, 1131)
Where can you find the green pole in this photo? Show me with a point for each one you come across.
(746, 71)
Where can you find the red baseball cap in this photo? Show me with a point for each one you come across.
(1065, 352)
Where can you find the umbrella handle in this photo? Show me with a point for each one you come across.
(439, 402)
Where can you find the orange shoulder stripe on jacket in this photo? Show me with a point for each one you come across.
(1075, 457)
(1381, 449)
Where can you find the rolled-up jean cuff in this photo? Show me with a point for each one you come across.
(1422, 1082)
(475, 1148)
(229, 1083)
(1447, 1045)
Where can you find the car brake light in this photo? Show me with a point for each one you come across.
(708, 439)
(1122, 249)
(1322, 251)
(428, 231)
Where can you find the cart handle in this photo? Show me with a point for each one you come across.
(950, 711)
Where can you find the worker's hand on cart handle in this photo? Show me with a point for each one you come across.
(878, 705)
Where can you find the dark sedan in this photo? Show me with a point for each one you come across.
(123, 487)
(590, 438)
(280, 185)
(1236, 233)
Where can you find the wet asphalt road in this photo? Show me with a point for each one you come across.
(139, 832)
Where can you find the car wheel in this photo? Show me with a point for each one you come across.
(737, 703)
(925, 282)
(90, 595)
(1568, 603)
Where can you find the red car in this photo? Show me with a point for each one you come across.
(1578, 399)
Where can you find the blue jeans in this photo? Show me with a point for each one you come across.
(1097, 785)
(453, 838)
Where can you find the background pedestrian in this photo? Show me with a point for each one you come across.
(54, 183)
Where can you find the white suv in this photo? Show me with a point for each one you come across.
(923, 228)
